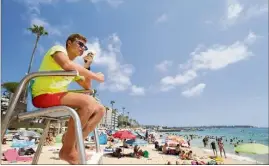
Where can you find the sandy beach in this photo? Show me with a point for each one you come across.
(49, 155)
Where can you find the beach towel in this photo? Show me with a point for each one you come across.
(22, 143)
(12, 155)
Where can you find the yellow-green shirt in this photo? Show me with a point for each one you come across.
(51, 84)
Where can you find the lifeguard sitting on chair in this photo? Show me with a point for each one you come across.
(52, 91)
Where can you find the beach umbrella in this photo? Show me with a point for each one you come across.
(134, 133)
(171, 143)
(26, 133)
(141, 134)
(118, 133)
(252, 148)
(124, 135)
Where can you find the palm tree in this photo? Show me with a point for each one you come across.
(127, 118)
(107, 108)
(38, 31)
(123, 108)
(112, 103)
(10, 86)
(94, 93)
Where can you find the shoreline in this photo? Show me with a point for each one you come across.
(229, 147)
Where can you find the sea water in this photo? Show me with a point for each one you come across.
(259, 135)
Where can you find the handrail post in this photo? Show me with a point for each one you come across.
(13, 103)
(16, 95)
(96, 138)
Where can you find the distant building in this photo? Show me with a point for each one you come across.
(109, 120)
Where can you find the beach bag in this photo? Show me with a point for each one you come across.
(146, 154)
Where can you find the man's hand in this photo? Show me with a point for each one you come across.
(100, 77)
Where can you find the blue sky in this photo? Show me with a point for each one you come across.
(175, 63)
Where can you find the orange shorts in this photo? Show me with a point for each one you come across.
(48, 100)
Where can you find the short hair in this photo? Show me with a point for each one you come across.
(75, 36)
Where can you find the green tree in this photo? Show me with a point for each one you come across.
(10, 86)
(38, 31)
(94, 93)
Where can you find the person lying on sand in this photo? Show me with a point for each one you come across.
(117, 153)
(136, 150)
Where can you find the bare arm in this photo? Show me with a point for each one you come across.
(86, 84)
(65, 63)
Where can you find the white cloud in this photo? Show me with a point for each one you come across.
(194, 91)
(113, 3)
(166, 88)
(234, 9)
(118, 74)
(256, 11)
(52, 30)
(251, 38)
(163, 66)
(213, 58)
(161, 18)
(34, 5)
(33, 16)
(137, 91)
(237, 12)
(220, 56)
(179, 79)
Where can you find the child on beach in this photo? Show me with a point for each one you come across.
(53, 91)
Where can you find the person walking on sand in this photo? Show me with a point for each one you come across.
(221, 147)
(52, 91)
(213, 146)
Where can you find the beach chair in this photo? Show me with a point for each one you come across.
(17, 111)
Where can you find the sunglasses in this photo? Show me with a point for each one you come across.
(82, 45)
